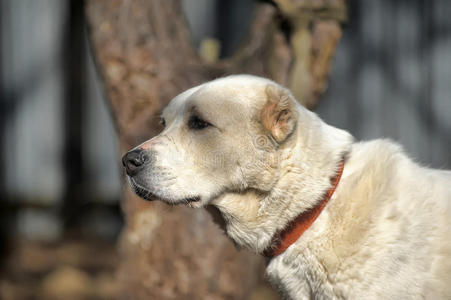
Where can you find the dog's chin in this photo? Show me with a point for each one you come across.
(146, 194)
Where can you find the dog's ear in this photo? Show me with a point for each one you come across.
(278, 116)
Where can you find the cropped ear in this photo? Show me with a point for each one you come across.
(278, 116)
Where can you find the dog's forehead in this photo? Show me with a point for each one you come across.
(177, 104)
(229, 97)
(241, 93)
(225, 104)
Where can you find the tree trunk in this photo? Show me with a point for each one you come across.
(145, 56)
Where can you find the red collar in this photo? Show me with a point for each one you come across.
(285, 238)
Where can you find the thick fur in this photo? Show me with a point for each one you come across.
(384, 234)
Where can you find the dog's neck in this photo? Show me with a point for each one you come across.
(253, 218)
(294, 230)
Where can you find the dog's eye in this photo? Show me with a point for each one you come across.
(195, 122)
(163, 122)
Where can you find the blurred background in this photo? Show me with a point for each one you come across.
(60, 176)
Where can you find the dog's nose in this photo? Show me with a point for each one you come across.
(134, 161)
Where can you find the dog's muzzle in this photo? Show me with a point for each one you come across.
(134, 161)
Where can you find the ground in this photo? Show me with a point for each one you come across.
(74, 268)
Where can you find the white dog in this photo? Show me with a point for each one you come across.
(339, 219)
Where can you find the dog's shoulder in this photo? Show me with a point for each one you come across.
(381, 150)
(380, 160)
(409, 206)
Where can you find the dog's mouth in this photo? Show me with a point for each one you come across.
(150, 196)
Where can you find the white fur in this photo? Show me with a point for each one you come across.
(384, 234)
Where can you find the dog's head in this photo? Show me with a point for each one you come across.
(219, 137)
(243, 144)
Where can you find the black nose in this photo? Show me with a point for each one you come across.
(134, 161)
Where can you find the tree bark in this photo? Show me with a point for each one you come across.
(145, 56)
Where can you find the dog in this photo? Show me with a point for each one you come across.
(337, 219)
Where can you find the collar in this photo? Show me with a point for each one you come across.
(285, 238)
